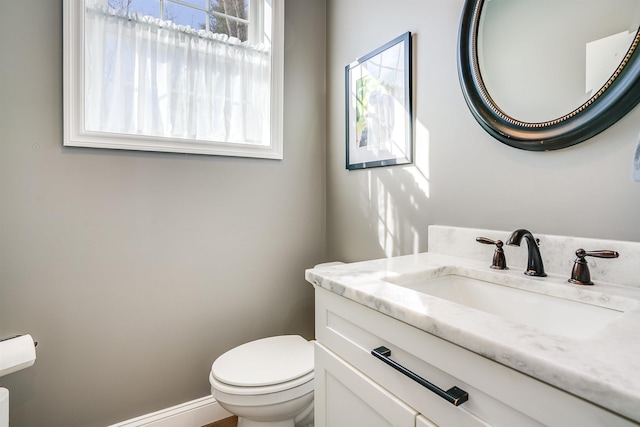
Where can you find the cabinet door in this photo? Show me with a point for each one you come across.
(344, 397)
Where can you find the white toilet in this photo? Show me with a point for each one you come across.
(267, 382)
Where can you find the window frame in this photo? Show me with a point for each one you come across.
(76, 135)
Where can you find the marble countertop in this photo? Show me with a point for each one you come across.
(603, 367)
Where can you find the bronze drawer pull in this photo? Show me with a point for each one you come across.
(454, 395)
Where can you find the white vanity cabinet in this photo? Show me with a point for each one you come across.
(356, 389)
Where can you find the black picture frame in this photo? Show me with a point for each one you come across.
(379, 116)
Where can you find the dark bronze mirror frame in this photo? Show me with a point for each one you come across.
(616, 98)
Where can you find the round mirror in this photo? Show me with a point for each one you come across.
(547, 74)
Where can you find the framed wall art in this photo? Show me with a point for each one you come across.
(378, 107)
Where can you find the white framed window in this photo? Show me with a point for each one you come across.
(189, 76)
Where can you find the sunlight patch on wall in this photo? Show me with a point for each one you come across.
(421, 170)
(397, 199)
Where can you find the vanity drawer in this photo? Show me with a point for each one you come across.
(353, 400)
(498, 396)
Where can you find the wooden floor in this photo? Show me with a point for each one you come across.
(227, 422)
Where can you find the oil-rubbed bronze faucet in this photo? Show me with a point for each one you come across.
(580, 273)
(534, 259)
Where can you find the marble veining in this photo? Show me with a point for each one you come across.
(603, 368)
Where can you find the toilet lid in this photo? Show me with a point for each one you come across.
(266, 361)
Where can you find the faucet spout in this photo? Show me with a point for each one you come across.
(534, 259)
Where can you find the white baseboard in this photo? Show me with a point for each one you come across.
(196, 413)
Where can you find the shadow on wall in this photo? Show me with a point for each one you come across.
(395, 201)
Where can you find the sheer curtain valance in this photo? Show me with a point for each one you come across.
(145, 76)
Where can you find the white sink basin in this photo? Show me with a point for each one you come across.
(570, 318)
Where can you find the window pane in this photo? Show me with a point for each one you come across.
(183, 15)
(237, 8)
(229, 26)
(143, 7)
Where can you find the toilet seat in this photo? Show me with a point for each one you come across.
(268, 365)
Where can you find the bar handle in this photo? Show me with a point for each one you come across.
(455, 395)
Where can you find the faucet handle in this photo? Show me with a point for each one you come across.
(499, 260)
(580, 273)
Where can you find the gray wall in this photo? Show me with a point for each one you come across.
(462, 176)
(136, 270)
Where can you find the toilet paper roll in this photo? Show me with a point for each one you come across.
(16, 353)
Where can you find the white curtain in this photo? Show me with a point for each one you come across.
(144, 76)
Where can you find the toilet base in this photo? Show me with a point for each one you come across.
(297, 412)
